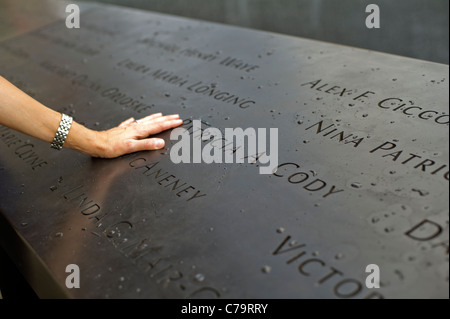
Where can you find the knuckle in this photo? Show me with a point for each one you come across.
(128, 144)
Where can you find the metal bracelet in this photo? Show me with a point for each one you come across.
(62, 132)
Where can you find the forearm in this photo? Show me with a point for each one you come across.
(23, 113)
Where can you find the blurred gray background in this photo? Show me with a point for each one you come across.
(413, 28)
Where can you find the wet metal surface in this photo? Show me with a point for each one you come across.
(413, 28)
(21, 16)
(363, 176)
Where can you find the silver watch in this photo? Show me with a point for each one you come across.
(61, 133)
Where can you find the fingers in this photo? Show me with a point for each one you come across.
(158, 118)
(142, 120)
(150, 117)
(127, 122)
(155, 124)
(159, 126)
(148, 144)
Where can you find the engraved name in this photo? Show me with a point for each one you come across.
(65, 43)
(388, 150)
(150, 258)
(210, 90)
(294, 174)
(24, 150)
(319, 270)
(229, 61)
(165, 179)
(394, 104)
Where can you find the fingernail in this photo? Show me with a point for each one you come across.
(159, 143)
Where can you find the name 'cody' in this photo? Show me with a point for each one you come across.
(180, 152)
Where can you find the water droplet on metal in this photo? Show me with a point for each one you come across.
(266, 269)
(389, 229)
(339, 256)
(59, 234)
(110, 233)
(356, 185)
(199, 277)
(53, 188)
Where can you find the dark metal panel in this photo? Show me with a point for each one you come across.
(252, 235)
(21, 16)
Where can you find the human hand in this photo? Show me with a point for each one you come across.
(132, 135)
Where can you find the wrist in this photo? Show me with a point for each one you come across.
(85, 140)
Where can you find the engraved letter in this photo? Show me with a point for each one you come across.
(424, 232)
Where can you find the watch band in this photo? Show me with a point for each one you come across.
(62, 132)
